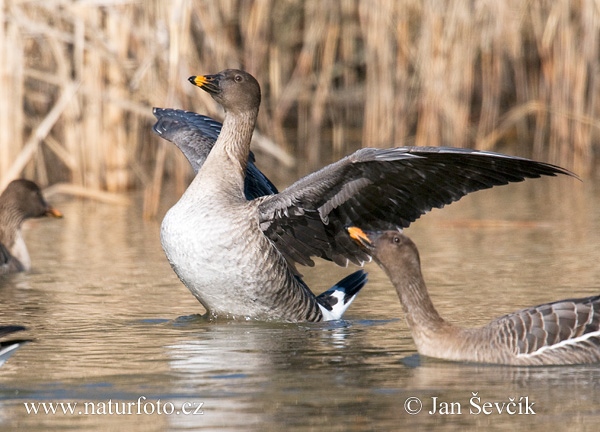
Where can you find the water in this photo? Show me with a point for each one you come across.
(115, 331)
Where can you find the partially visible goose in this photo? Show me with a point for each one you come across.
(558, 333)
(21, 200)
(237, 256)
(8, 348)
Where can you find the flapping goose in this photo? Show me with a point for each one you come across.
(558, 333)
(195, 135)
(8, 348)
(238, 256)
(21, 200)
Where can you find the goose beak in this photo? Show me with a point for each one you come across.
(208, 83)
(360, 236)
(52, 212)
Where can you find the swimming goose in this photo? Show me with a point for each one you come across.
(8, 348)
(558, 333)
(21, 200)
(238, 256)
(195, 135)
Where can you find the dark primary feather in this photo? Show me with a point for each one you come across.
(381, 189)
(551, 323)
(195, 135)
(6, 330)
(349, 286)
(377, 189)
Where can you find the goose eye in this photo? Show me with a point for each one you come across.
(396, 239)
(238, 78)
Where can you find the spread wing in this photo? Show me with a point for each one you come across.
(380, 189)
(195, 135)
(554, 329)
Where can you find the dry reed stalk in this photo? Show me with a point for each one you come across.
(335, 75)
(11, 89)
(38, 135)
(492, 22)
(83, 192)
(178, 46)
(566, 36)
(404, 95)
(323, 86)
(377, 26)
(115, 137)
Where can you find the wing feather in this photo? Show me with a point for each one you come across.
(564, 325)
(195, 135)
(383, 189)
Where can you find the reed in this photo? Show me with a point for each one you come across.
(78, 80)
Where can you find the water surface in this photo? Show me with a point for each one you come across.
(112, 323)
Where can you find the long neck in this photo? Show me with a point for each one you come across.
(229, 156)
(420, 313)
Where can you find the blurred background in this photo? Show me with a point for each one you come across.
(78, 80)
(111, 320)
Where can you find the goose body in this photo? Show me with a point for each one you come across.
(562, 332)
(21, 200)
(225, 281)
(236, 249)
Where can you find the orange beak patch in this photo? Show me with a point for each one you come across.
(52, 212)
(358, 235)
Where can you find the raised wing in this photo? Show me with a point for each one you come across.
(553, 328)
(195, 135)
(380, 189)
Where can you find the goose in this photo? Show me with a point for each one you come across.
(8, 348)
(557, 333)
(238, 256)
(21, 200)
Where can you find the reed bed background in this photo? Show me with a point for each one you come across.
(78, 80)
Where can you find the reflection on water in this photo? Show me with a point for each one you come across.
(111, 322)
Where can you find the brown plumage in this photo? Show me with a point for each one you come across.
(562, 332)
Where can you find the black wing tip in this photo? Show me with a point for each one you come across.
(17, 342)
(537, 169)
(564, 171)
(352, 284)
(548, 169)
(349, 287)
(8, 329)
